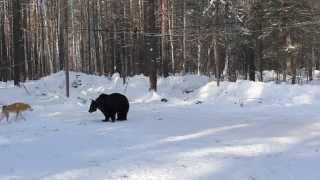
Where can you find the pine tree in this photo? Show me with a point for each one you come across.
(281, 26)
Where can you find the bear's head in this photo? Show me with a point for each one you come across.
(93, 106)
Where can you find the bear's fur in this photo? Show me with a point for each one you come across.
(111, 105)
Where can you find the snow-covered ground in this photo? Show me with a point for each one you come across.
(238, 131)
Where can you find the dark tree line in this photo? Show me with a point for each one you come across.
(227, 40)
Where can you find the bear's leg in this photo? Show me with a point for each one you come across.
(125, 114)
(113, 116)
(119, 116)
(122, 116)
(106, 117)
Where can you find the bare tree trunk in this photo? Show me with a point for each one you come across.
(293, 69)
(311, 61)
(164, 37)
(4, 52)
(216, 44)
(74, 55)
(42, 45)
(260, 55)
(63, 41)
(96, 38)
(151, 49)
(91, 69)
(173, 69)
(124, 43)
(66, 18)
(18, 42)
(184, 37)
(25, 37)
(115, 54)
(217, 59)
(82, 43)
(199, 53)
(251, 64)
(61, 35)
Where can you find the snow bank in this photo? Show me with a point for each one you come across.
(260, 93)
(188, 89)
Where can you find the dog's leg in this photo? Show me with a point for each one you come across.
(22, 117)
(20, 114)
(7, 117)
(17, 115)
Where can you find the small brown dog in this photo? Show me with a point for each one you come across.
(17, 108)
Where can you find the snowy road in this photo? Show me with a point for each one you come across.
(192, 142)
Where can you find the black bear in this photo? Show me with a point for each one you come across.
(110, 105)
